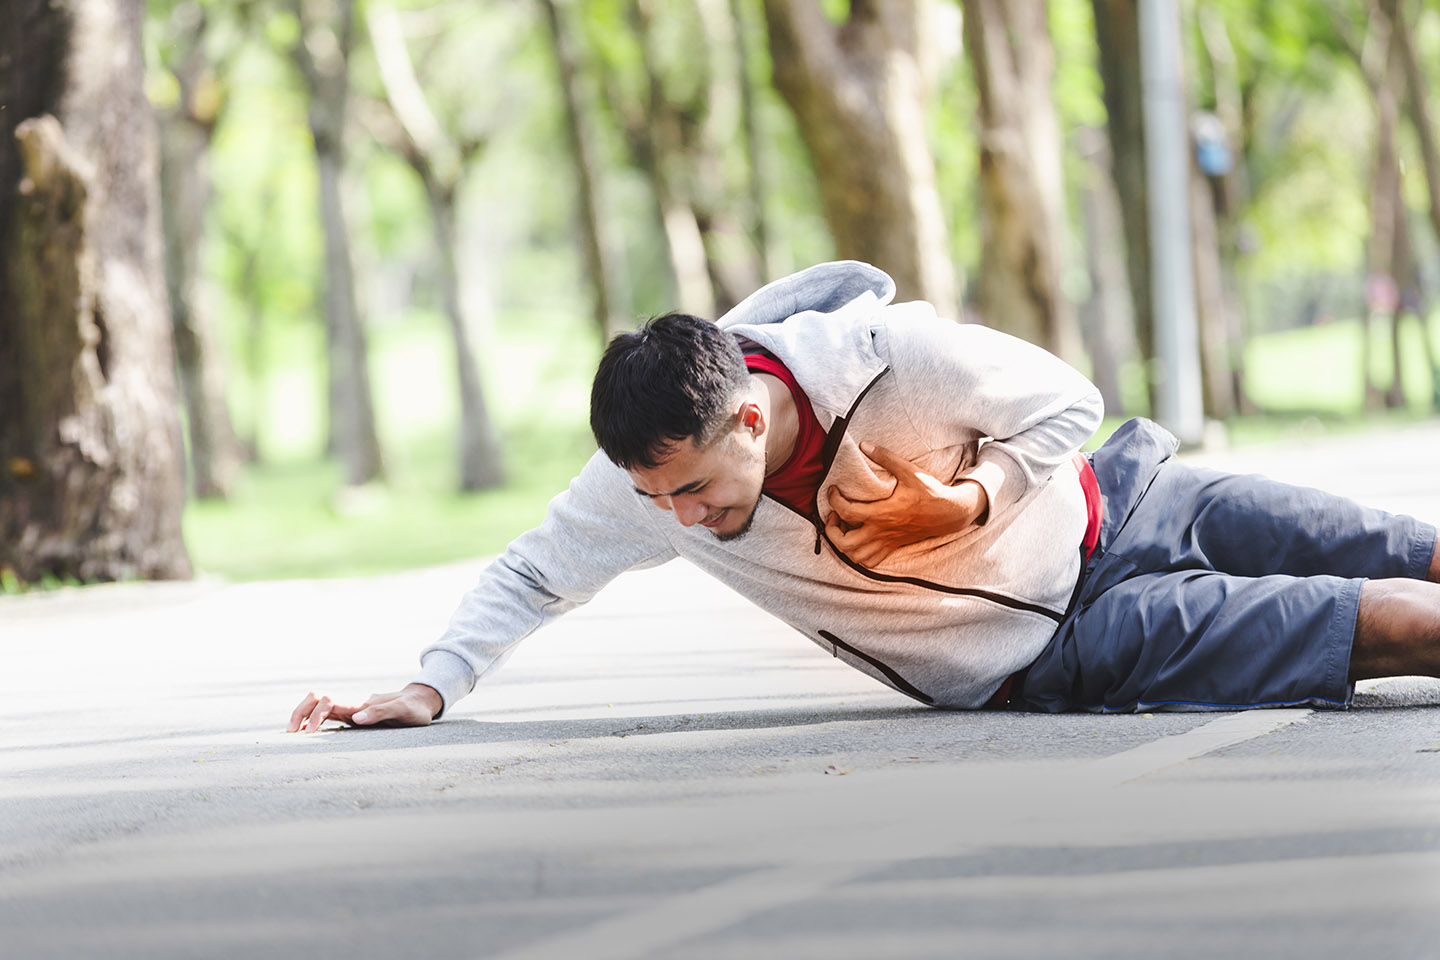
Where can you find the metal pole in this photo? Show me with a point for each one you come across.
(1179, 405)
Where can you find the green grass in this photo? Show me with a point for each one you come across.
(285, 519)
(289, 516)
(293, 520)
(1308, 382)
(1317, 370)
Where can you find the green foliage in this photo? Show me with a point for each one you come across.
(1079, 94)
(1310, 210)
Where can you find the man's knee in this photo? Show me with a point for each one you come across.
(1397, 630)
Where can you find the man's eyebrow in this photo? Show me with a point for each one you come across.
(690, 487)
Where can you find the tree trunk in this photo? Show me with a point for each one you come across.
(1382, 298)
(1412, 298)
(734, 264)
(687, 147)
(599, 265)
(1407, 274)
(1106, 319)
(440, 163)
(690, 108)
(91, 468)
(1211, 306)
(185, 132)
(757, 167)
(1022, 212)
(352, 407)
(1229, 193)
(481, 467)
(858, 96)
(1418, 101)
(655, 130)
(1117, 30)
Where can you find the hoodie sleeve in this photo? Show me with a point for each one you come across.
(963, 382)
(591, 534)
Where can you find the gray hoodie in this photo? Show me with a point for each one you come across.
(944, 621)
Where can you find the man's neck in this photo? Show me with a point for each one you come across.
(782, 419)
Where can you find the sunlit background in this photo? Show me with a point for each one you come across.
(510, 182)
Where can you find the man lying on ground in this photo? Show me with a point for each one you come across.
(906, 492)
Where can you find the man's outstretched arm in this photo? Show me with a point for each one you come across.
(414, 706)
(591, 534)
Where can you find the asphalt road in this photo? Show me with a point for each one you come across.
(670, 773)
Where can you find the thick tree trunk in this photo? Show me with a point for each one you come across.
(185, 132)
(1117, 29)
(599, 258)
(858, 96)
(1021, 190)
(91, 470)
(352, 406)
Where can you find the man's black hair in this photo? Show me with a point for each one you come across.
(676, 377)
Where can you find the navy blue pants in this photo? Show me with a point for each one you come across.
(1211, 591)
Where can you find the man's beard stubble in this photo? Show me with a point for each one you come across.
(744, 527)
(751, 457)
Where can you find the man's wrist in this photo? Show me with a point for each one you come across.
(977, 500)
(427, 695)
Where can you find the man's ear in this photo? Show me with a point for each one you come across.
(752, 419)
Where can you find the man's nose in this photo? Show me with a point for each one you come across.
(688, 510)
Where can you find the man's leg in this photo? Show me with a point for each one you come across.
(1397, 631)
(1199, 640)
(1194, 518)
(1303, 531)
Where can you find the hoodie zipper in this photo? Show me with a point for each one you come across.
(827, 458)
(901, 684)
(827, 455)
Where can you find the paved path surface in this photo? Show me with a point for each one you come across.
(669, 773)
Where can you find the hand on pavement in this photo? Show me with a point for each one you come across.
(919, 508)
(415, 706)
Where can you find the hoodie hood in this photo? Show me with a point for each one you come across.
(813, 318)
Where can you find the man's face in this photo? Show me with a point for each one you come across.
(717, 486)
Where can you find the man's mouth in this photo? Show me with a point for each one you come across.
(714, 521)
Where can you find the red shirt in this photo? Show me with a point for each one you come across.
(798, 479)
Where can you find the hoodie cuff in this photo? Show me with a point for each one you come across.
(449, 675)
(991, 476)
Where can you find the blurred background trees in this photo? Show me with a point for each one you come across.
(397, 233)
